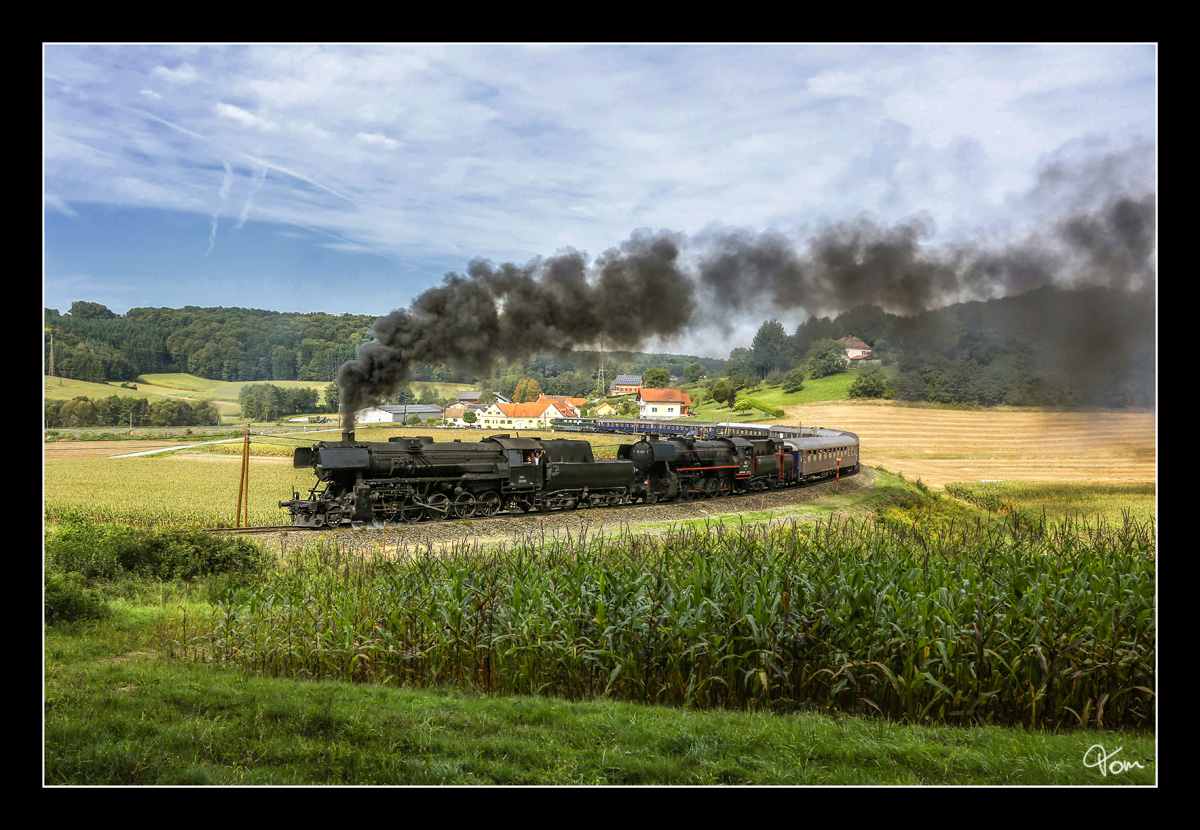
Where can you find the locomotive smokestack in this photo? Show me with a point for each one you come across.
(348, 436)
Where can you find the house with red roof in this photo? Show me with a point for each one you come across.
(534, 415)
(564, 402)
(856, 350)
(663, 403)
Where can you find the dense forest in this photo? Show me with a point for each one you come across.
(92, 343)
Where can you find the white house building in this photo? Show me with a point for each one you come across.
(663, 403)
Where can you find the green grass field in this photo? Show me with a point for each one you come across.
(832, 388)
(224, 394)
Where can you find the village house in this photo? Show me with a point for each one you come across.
(565, 403)
(467, 396)
(605, 410)
(856, 350)
(534, 415)
(663, 403)
(455, 415)
(625, 385)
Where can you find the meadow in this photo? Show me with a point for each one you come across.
(224, 394)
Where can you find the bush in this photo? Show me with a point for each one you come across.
(67, 599)
(793, 381)
(870, 384)
(108, 552)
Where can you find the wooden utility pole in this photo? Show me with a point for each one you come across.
(243, 508)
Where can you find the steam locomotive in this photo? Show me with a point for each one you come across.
(416, 479)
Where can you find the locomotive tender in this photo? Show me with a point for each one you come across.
(415, 479)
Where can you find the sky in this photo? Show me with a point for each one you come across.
(351, 178)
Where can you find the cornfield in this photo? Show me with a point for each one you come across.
(1045, 626)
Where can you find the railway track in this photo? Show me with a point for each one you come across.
(251, 531)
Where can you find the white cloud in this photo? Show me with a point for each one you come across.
(378, 138)
(244, 117)
(182, 74)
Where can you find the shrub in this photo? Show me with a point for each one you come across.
(67, 599)
(793, 381)
(107, 552)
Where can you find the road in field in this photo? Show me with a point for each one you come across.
(940, 445)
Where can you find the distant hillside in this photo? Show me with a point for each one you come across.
(1094, 346)
(239, 345)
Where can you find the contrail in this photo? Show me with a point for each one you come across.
(226, 186)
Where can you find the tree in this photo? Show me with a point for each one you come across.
(693, 372)
(825, 357)
(770, 348)
(741, 362)
(469, 417)
(656, 378)
(528, 389)
(720, 391)
(82, 309)
(331, 398)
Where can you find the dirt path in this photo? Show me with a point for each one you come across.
(102, 449)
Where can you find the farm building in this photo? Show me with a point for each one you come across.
(396, 414)
(625, 385)
(663, 403)
(856, 349)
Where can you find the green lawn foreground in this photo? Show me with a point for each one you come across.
(119, 714)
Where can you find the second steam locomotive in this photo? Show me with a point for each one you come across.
(416, 479)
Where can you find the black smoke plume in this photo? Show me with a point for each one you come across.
(1096, 229)
(630, 294)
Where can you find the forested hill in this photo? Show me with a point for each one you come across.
(1093, 346)
(92, 343)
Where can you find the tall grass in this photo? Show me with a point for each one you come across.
(1021, 624)
(1079, 502)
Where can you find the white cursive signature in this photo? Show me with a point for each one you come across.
(1098, 756)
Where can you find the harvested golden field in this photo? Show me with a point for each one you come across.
(941, 445)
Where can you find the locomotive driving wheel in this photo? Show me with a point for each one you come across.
(411, 512)
(439, 506)
(464, 505)
(487, 504)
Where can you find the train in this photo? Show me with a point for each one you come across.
(695, 429)
(412, 479)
